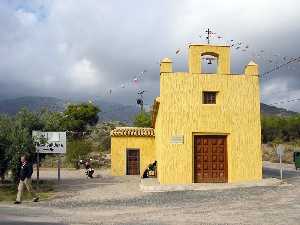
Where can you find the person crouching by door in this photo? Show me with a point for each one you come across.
(25, 180)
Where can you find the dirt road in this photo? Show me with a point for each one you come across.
(117, 200)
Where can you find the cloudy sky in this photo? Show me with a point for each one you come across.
(83, 48)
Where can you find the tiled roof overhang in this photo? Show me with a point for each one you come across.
(132, 131)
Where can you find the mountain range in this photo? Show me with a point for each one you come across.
(109, 110)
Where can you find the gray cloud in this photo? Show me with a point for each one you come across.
(82, 49)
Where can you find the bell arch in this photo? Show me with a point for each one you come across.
(209, 62)
(222, 53)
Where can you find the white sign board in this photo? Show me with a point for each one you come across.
(177, 139)
(50, 142)
(280, 150)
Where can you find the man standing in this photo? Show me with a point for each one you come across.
(25, 179)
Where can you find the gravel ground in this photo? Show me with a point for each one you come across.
(117, 200)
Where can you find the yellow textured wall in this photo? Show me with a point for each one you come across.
(251, 69)
(181, 112)
(118, 153)
(166, 66)
(236, 113)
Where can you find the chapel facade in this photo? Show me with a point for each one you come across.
(205, 127)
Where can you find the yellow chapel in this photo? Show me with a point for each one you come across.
(205, 127)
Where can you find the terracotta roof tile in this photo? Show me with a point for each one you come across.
(132, 131)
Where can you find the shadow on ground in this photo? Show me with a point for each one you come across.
(27, 223)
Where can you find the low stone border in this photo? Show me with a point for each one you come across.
(152, 185)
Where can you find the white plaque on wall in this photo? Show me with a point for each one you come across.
(177, 139)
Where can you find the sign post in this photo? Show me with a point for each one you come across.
(58, 168)
(38, 170)
(280, 152)
(49, 142)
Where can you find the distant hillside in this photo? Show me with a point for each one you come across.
(12, 106)
(109, 111)
(274, 111)
(116, 112)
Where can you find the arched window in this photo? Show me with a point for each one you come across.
(209, 62)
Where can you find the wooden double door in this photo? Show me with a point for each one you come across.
(133, 162)
(210, 159)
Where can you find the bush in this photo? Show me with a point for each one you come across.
(78, 149)
(5, 127)
(16, 133)
(15, 139)
(269, 153)
(100, 135)
(285, 129)
(21, 143)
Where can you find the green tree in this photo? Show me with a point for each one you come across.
(271, 128)
(79, 116)
(29, 120)
(142, 119)
(292, 128)
(52, 121)
(15, 140)
(20, 143)
(5, 129)
(276, 128)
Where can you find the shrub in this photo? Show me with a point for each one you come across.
(142, 119)
(78, 149)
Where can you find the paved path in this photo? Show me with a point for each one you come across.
(117, 200)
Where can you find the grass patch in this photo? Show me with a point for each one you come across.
(8, 192)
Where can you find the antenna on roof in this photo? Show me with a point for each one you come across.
(140, 101)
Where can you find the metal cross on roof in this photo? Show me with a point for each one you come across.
(209, 33)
